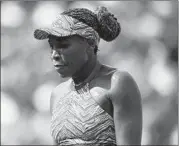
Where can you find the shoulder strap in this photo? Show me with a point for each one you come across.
(105, 104)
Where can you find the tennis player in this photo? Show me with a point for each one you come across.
(99, 105)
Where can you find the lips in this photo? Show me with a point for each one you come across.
(60, 66)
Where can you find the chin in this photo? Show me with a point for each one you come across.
(64, 75)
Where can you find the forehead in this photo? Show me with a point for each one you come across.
(68, 39)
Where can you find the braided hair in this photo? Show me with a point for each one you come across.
(101, 20)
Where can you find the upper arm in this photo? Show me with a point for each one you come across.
(53, 96)
(127, 112)
(52, 103)
(52, 100)
(57, 93)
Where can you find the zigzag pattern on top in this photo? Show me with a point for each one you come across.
(78, 119)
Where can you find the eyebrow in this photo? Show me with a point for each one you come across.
(58, 42)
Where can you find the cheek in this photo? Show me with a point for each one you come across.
(77, 59)
(81, 57)
(76, 55)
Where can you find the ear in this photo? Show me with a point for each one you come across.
(89, 46)
(90, 49)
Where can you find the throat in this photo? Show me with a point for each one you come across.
(86, 73)
(83, 73)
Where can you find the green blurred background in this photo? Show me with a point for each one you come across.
(147, 48)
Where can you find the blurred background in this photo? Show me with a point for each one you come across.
(147, 48)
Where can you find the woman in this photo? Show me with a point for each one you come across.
(98, 105)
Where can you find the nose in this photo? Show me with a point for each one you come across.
(55, 55)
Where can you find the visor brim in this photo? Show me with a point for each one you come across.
(44, 33)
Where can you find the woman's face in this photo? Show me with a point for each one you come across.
(68, 54)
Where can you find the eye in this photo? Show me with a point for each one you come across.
(51, 46)
(63, 46)
(50, 43)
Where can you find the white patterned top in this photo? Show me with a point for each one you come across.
(78, 120)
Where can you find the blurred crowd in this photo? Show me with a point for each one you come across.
(147, 48)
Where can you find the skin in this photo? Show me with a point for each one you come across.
(73, 52)
(117, 91)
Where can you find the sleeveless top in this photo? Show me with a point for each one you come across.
(78, 120)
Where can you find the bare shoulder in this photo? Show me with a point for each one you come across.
(62, 87)
(124, 88)
(58, 92)
(121, 78)
(127, 111)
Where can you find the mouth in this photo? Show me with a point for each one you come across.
(58, 66)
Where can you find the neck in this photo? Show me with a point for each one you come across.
(85, 71)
